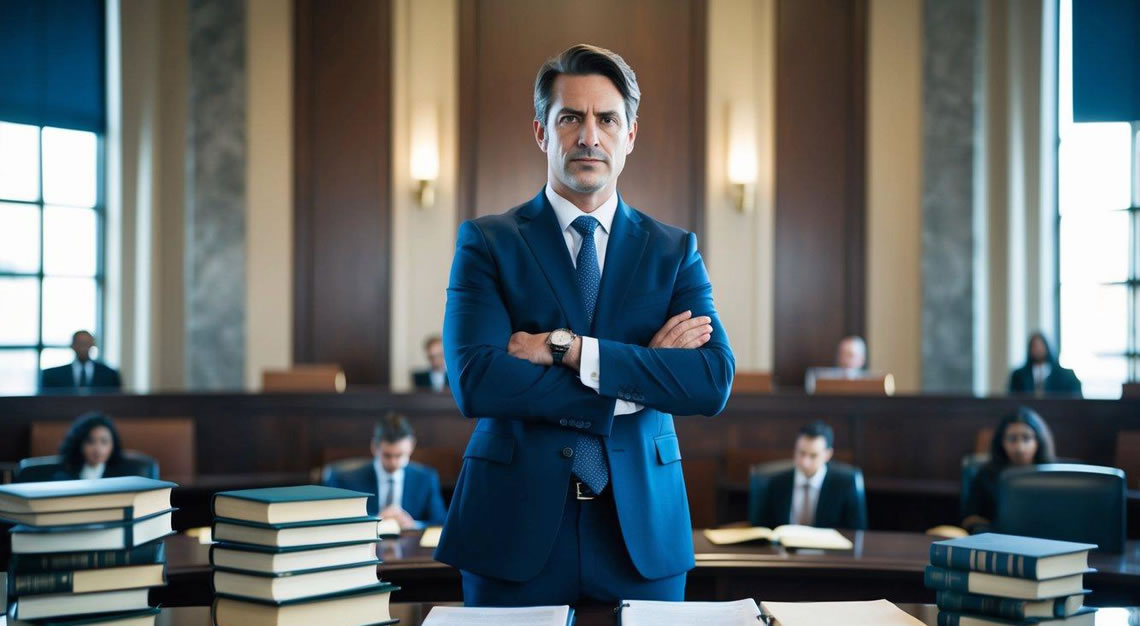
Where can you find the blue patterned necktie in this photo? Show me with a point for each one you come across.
(589, 459)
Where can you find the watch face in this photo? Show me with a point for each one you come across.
(560, 337)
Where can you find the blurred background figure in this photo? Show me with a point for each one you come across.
(434, 378)
(850, 362)
(1042, 374)
(92, 449)
(1021, 438)
(82, 373)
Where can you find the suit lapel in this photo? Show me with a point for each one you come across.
(540, 230)
(623, 256)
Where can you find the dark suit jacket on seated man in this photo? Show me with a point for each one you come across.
(83, 372)
(814, 493)
(400, 489)
(575, 325)
(1042, 374)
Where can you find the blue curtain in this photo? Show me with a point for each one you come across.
(1106, 60)
(52, 63)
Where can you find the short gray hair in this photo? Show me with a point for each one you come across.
(584, 60)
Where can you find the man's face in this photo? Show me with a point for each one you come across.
(1037, 351)
(394, 455)
(811, 454)
(586, 135)
(82, 344)
(435, 355)
(849, 355)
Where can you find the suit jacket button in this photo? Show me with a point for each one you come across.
(567, 452)
(586, 424)
(577, 423)
(562, 422)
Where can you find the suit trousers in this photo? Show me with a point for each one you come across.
(589, 561)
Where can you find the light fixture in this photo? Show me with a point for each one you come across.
(425, 153)
(741, 158)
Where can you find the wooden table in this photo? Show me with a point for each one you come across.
(882, 565)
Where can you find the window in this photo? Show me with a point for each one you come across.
(1099, 230)
(51, 274)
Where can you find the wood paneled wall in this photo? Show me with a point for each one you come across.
(502, 45)
(342, 160)
(820, 179)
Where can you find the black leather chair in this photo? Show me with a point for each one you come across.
(42, 468)
(971, 465)
(340, 467)
(759, 476)
(1070, 502)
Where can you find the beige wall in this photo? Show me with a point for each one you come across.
(269, 188)
(738, 244)
(894, 190)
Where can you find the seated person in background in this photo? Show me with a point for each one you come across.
(401, 489)
(1042, 374)
(850, 362)
(92, 449)
(435, 377)
(810, 494)
(1021, 438)
(84, 372)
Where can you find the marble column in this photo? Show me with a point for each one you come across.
(215, 196)
(951, 89)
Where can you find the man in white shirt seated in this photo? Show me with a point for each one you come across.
(815, 492)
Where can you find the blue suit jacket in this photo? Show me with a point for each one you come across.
(512, 272)
(63, 377)
(421, 498)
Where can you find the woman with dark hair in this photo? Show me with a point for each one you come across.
(1021, 438)
(1042, 374)
(91, 449)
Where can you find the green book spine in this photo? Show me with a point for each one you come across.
(947, 619)
(50, 582)
(983, 561)
(946, 579)
(70, 561)
(1005, 608)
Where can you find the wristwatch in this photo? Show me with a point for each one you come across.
(560, 341)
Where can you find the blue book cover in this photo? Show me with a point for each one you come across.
(1009, 608)
(327, 522)
(1084, 616)
(298, 493)
(1011, 555)
(74, 488)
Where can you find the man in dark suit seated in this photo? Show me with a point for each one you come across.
(1042, 374)
(83, 373)
(434, 378)
(401, 489)
(813, 493)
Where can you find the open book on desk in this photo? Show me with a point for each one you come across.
(480, 616)
(655, 613)
(789, 536)
(872, 613)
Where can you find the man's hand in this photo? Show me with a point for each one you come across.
(683, 331)
(530, 347)
(400, 515)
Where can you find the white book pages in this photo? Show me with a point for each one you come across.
(871, 613)
(654, 613)
(523, 616)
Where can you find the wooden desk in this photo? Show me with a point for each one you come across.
(882, 565)
(413, 614)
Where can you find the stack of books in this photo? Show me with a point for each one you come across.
(296, 556)
(1004, 579)
(86, 551)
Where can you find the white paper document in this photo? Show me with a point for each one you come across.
(472, 616)
(654, 613)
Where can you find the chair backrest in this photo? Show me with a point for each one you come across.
(342, 466)
(752, 382)
(760, 476)
(971, 465)
(1130, 390)
(1128, 456)
(738, 462)
(983, 440)
(304, 378)
(1070, 502)
(168, 440)
(870, 386)
(41, 468)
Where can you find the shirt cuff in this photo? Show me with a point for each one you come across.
(590, 373)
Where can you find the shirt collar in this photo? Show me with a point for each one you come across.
(566, 212)
(815, 481)
(382, 475)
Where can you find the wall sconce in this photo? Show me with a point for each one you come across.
(742, 164)
(425, 153)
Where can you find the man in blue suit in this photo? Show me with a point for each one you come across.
(575, 326)
(401, 489)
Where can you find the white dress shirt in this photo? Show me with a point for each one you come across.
(1041, 371)
(382, 485)
(89, 366)
(92, 471)
(798, 502)
(437, 378)
(589, 367)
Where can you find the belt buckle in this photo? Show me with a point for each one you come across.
(578, 491)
